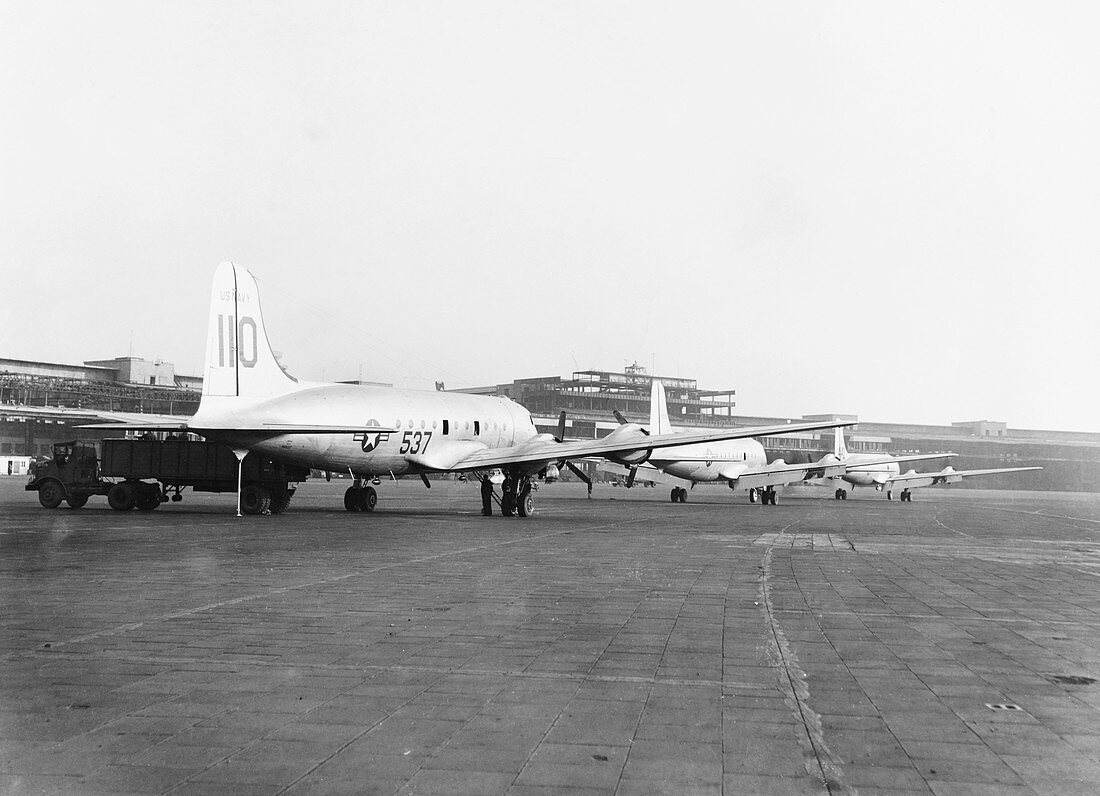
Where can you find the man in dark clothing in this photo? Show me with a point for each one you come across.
(486, 496)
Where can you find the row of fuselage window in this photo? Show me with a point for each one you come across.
(448, 426)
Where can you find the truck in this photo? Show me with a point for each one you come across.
(143, 473)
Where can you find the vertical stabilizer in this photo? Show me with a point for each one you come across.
(239, 360)
(839, 448)
(658, 410)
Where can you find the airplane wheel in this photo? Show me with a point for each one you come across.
(255, 499)
(50, 494)
(351, 499)
(76, 501)
(890, 495)
(844, 494)
(675, 494)
(526, 504)
(369, 499)
(774, 496)
(683, 495)
(839, 494)
(121, 497)
(753, 496)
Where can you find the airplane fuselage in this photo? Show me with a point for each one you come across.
(432, 430)
(709, 462)
(871, 474)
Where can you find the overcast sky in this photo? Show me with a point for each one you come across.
(886, 209)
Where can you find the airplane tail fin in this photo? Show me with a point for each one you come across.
(239, 359)
(658, 410)
(840, 450)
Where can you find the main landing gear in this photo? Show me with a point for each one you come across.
(906, 496)
(679, 494)
(359, 497)
(769, 496)
(840, 494)
(517, 497)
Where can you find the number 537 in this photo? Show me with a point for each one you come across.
(415, 441)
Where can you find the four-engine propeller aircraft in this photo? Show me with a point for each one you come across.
(249, 402)
(741, 463)
(868, 469)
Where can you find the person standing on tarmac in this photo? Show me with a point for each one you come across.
(486, 496)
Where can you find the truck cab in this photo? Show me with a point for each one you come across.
(70, 474)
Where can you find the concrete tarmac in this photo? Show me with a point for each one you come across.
(622, 644)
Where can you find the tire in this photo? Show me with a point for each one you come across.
(255, 499)
(351, 499)
(280, 499)
(753, 495)
(147, 497)
(368, 499)
(121, 497)
(50, 494)
(526, 504)
(76, 501)
(683, 495)
(890, 495)
(675, 494)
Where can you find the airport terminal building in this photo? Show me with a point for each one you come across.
(42, 403)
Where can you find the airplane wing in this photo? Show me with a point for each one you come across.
(545, 448)
(133, 421)
(887, 459)
(948, 475)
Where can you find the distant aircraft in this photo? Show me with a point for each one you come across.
(741, 463)
(249, 402)
(868, 469)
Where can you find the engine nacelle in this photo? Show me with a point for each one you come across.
(629, 434)
(552, 473)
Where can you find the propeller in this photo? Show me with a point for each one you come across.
(560, 436)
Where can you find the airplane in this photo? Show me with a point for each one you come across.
(741, 463)
(250, 402)
(868, 469)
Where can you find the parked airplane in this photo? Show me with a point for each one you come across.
(743, 463)
(249, 402)
(867, 469)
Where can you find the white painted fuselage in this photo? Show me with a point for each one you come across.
(432, 430)
(710, 462)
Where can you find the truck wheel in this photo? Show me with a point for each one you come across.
(147, 498)
(76, 501)
(121, 497)
(50, 494)
(255, 499)
(280, 499)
